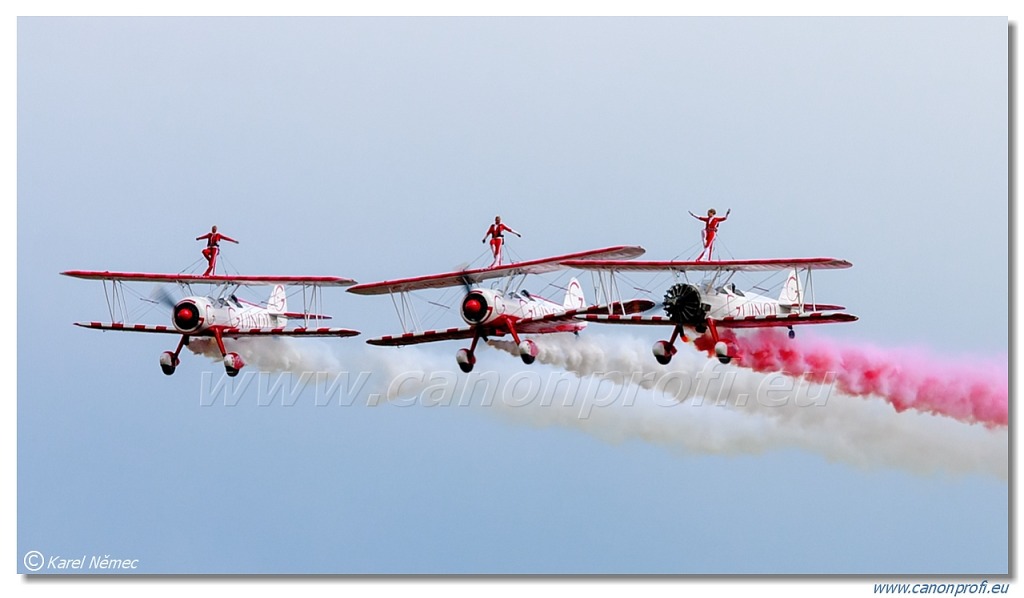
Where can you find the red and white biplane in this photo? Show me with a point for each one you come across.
(698, 310)
(219, 314)
(504, 308)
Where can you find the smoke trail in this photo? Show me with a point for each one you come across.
(273, 354)
(761, 413)
(906, 378)
(853, 431)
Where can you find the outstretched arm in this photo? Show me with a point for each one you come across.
(727, 213)
(509, 229)
(201, 237)
(227, 238)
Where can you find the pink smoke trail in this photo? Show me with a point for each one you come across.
(906, 378)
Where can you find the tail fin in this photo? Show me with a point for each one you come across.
(792, 291)
(278, 302)
(574, 296)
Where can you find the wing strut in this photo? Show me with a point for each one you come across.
(406, 312)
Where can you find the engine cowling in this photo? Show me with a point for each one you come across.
(481, 305)
(683, 305)
(187, 316)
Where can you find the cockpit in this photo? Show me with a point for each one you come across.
(730, 289)
(231, 301)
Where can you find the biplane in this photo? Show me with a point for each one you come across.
(700, 309)
(502, 308)
(219, 313)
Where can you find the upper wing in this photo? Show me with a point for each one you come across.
(228, 332)
(762, 265)
(768, 321)
(450, 279)
(323, 281)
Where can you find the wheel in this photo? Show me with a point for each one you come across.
(528, 351)
(792, 333)
(722, 352)
(465, 359)
(233, 363)
(168, 362)
(663, 352)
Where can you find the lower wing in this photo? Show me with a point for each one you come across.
(228, 332)
(558, 322)
(428, 336)
(768, 321)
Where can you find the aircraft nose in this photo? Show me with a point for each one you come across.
(474, 308)
(186, 316)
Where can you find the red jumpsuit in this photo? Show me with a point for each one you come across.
(710, 228)
(212, 249)
(495, 231)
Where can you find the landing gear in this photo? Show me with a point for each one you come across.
(792, 333)
(465, 359)
(721, 349)
(232, 363)
(722, 352)
(169, 360)
(528, 351)
(664, 350)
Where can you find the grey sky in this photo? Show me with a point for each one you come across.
(379, 148)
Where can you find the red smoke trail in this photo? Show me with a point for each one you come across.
(906, 378)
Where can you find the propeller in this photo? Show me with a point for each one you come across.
(683, 304)
(162, 296)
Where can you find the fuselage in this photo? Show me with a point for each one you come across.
(489, 307)
(729, 301)
(196, 314)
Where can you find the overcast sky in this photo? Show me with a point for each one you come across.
(378, 148)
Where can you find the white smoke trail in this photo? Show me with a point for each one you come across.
(723, 410)
(273, 354)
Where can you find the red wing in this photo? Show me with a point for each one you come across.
(539, 324)
(429, 336)
(730, 322)
(633, 306)
(228, 332)
(452, 279)
(543, 324)
(336, 332)
(128, 327)
(784, 320)
(760, 265)
(822, 307)
(323, 281)
(629, 319)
